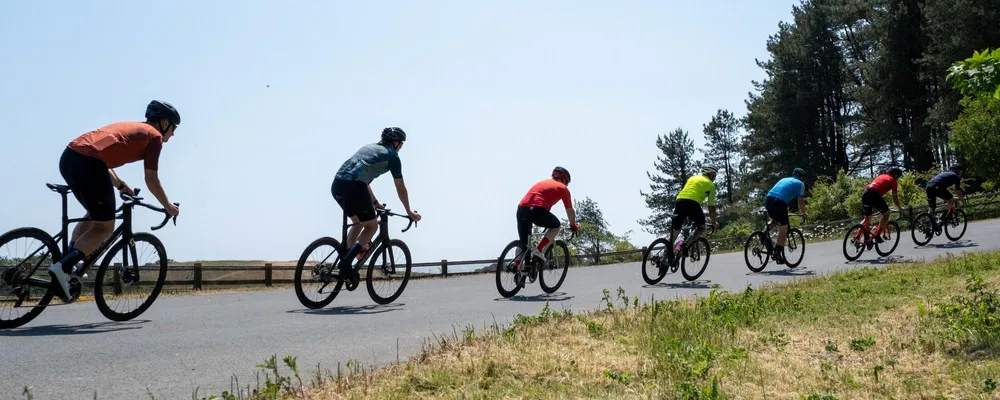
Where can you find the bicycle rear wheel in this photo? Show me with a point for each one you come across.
(853, 245)
(795, 248)
(21, 251)
(698, 252)
(955, 228)
(755, 252)
(388, 269)
(555, 268)
(314, 273)
(922, 229)
(653, 260)
(890, 240)
(506, 271)
(130, 277)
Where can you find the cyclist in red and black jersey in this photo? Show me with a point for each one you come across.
(872, 196)
(534, 209)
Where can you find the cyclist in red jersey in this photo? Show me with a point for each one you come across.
(87, 164)
(534, 209)
(872, 196)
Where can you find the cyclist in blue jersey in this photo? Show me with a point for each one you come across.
(352, 191)
(937, 188)
(776, 204)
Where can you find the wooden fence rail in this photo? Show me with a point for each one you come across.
(445, 267)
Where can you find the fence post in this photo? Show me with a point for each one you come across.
(444, 267)
(118, 280)
(197, 276)
(268, 273)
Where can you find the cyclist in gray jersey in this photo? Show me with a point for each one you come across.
(352, 191)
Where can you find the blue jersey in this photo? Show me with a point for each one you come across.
(788, 189)
(945, 179)
(369, 162)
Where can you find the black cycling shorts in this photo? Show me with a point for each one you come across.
(934, 193)
(872, 201)
(91, 183)
(777, 209)
(690, 209)
(354, 199)
(526, 216)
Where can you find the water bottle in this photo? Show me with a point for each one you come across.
(680, 243)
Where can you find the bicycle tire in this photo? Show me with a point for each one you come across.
(847, 239)
(161, 276)
(894, 229)
(960, 214)
(53, 251)
(795, 241)
(707, 254)
(300, 266)
(504, 267)
(379, 254)
(923, 226)
(660, 272)
(756, 238)
(551, 258)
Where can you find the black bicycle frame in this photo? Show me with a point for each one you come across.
(383, 232)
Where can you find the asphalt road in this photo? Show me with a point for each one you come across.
(181, 343)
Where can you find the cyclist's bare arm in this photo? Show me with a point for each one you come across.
(711, 213)
(895, 199)
(118, 183)
(802, 206)
(571, 214)
(153, 183)
(404, 197)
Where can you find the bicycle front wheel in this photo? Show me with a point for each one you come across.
(22, 251)
(130, 277)
(655, 256)
(697, 254)
(388, 271)
(506, 271)
(554, 271)
(314, 273)
(755, 252)
(955, 228)
(854, 242)
(922, 229)
(890, 240)
(795, 248)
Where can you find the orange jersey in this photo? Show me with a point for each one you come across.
(545, 194)
(122, 143)
(883, 184)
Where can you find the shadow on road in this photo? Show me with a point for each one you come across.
(698, 284)
(81, 329)
(352, 310)
(785, 272)
(950, 245)
(558, 296)
(884, 261)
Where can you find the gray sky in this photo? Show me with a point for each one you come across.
(492, 95)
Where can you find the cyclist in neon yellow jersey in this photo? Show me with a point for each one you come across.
(697, 189)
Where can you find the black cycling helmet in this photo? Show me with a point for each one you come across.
(895, 171)
(560, 172)
(161, 109)
(393, 133)
(798, 172)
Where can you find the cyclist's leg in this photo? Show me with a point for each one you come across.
(356, 202)
(680, 213)
(545, 219)
(778, 211)
(523, 231)
(91, 184)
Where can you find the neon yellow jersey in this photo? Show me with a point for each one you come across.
(697, 188)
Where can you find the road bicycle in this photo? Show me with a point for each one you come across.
(954, 222)
(134, 261)
(550, 269)
(388, 265)
(862, 236)
(656, 263)
(759, 247)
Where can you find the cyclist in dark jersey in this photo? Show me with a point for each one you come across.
(937, 188)
(87, 165)
(352, 191)
(534, 209)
